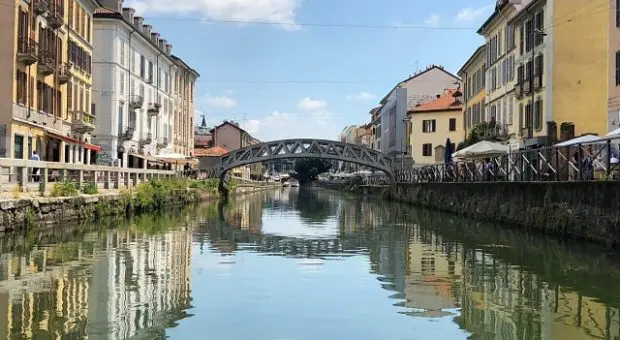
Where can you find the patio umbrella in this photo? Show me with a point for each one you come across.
(448, 152)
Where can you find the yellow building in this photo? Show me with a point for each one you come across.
(45, 67)
(563, 66)
(474, 97)
(432, 123)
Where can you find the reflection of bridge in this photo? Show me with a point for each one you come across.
(301, 148)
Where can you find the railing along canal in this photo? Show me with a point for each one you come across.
(598, 160)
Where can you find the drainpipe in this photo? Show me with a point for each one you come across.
(465, 86)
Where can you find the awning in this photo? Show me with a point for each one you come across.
(93, 147)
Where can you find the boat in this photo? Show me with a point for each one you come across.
(294, 184)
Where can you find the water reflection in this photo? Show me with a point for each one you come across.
(304, 264)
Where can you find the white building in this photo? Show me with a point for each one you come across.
(133, 87)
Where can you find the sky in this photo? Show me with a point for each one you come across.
(308, 68)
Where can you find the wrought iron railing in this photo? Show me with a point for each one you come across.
(578, 162)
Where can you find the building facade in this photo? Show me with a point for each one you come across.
(348, 134)
(184, 87)
(500, 78)
(474, 95)
(137, 88)
(52, 111)
(433, 123)
(230, 136)
(390, 116)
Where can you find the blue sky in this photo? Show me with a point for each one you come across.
(282, 81)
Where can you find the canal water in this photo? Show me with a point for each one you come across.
(303, 264)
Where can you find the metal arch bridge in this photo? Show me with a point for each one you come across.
(302, 148)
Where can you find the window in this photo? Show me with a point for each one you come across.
(70, 12)
(493, 79)
(538, 115)
(122, 53)
(18, 143)
(529, 30)
(427, 150)
(79, 57)
(150, 78)
(21, 80)
(510, 108)
(120, 119)
(521, 39)
(452, 124)
(429, 125)
(528, 70)
(617, 13)
(538, 65)
(142, 67)
(122, 82)
(540, 26)
(618, 67)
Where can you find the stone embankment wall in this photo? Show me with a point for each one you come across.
(583, 210)
(18, 214)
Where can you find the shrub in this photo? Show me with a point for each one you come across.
(90, 189)
(64, 189)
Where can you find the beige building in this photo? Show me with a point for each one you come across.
(184, 86)
(474, 94)
(230, 136)
(432, 123)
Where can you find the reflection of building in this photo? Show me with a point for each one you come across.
(69, 290)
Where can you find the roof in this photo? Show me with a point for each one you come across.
(231, 124)
(180, 61)
(433, 67)
(480, 50)
(446, 102)
(499, 6)
(524, 9)
(214, 151)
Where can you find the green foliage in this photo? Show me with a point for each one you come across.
(309, 169)
(90, 189)
(480, 132)
(64, 189)
(156, 193)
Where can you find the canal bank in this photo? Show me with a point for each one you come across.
(35, 211)
(580, 210)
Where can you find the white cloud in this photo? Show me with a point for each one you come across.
(432, 20)
(472, 14)
(271, 11)
(361, 96)
(226, 102)
(309, 104)
(283, 125)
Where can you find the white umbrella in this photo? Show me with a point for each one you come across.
(585, 139)
(615, 133)
(482, 149)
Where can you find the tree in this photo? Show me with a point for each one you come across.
(309, 169)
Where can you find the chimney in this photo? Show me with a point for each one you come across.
(137, 21)
(128, 13)
(147, 29)
(155, 37)
(116, 5)
(168, 49)
(438, 96)
(162, 44)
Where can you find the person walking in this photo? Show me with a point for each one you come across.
(35, 171)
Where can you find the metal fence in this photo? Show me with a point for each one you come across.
(578, 162)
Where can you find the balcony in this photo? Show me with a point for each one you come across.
(47, 63)
(129, 132)
(153, 109)
(55, 17)
(162, 143)
(147, 140)
(537, 82)
(527, 86)
(27, 51)
(518, 90)
(39, 7)
(63, 73)
(83, 122)
(135, 102)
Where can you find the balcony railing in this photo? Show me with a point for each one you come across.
(129, 132)
(153, 109)
(63, 74)
(518, 90)
(537, 82)
(83, 122)
(47, 63)
(39, 7)
(55, 16)
(27, 51)
(527, 86)
(135, 102)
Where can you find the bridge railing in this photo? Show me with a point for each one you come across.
(577, 162)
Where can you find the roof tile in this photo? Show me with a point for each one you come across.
(447, 101)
